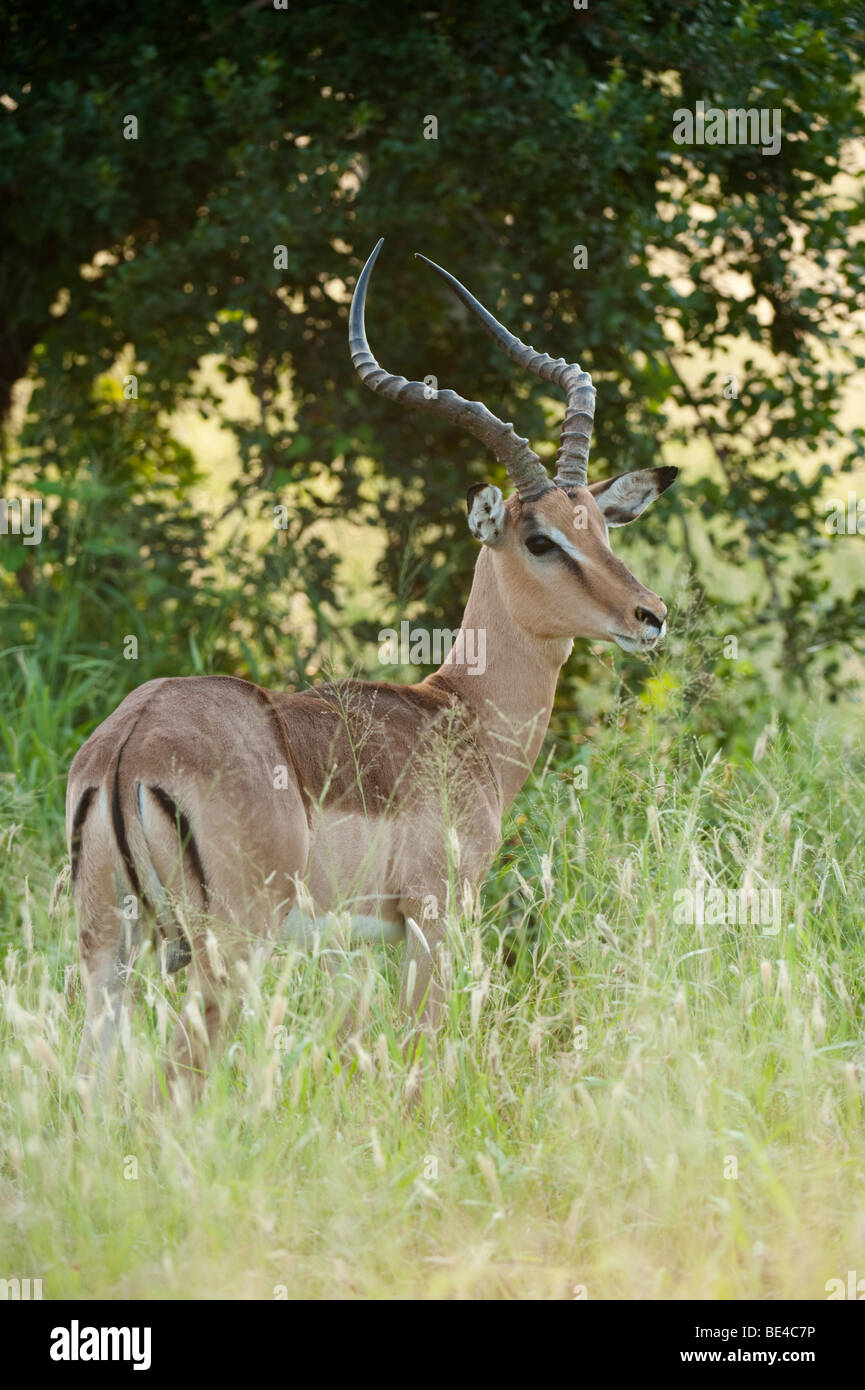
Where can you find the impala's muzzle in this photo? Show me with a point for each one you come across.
(650, 626)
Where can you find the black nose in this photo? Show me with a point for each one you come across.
(645, 615)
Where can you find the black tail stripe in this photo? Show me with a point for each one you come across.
(187, 840)
(78, 827)
(120, 831)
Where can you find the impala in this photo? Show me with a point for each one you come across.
(227, 814)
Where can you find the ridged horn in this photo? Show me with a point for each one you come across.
(523, 466)
(572, 460)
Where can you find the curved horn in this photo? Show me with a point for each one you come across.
(523, 465)
(572, 460)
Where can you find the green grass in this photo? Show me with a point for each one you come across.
(603, 1071)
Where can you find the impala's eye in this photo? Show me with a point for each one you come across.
(540, 545)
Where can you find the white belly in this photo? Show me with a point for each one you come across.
(303, 930)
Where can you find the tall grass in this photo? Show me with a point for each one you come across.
(621, 1103)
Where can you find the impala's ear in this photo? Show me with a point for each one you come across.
(486, 513)
(622, 499)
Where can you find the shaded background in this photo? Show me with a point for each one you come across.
(717, 313)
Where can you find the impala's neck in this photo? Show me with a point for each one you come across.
(506, 676)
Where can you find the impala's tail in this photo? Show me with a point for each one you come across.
(135, 858)
(137, 875)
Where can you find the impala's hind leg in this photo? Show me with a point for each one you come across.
(209, 1012)
(230, 910)
(107, 946)
(422, 991)
(224, 956)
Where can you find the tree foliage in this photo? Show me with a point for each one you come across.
(306, 128)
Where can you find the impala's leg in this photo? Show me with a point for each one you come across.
(209, 1015)
(105, 943)
(222, 952)
(104, 975)
(422, 991)
(232, 911)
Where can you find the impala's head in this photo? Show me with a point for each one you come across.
(549, 542)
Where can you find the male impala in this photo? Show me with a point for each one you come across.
(218, 807)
